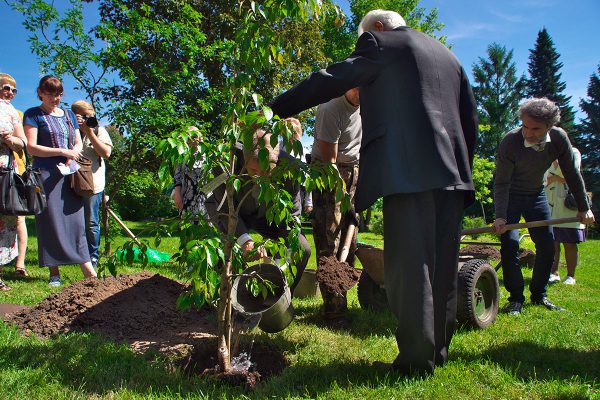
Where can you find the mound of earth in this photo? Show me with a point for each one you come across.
(141, 310)
(335, 276)
(526, 258)
(480, 251)
(138, 309)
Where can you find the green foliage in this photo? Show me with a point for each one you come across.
(498, 92)
(376, 225)
(544, 77)
(483, 172)
(140, 196)
(588, 137)
(473, 222)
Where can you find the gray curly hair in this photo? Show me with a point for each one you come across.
(542, 110)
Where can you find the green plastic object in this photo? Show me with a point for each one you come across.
(154, 256)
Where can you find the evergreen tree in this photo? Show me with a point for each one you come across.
(544, 77)
(589, 135)
(498, 92)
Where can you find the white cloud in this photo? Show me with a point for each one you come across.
(465, 30)
(514, 18)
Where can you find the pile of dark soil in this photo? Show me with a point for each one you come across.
(137, 309)
(526, 258)
(335, 276)
(141, 310)
(480, 251)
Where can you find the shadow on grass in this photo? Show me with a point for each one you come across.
(533, 362)
(361, 323)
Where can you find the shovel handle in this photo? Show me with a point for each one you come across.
(347, 242)
(122, 225)
(532, 224)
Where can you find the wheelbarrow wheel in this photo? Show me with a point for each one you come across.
(478, 294)
(370, 294)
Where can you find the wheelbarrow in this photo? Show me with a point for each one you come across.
(478, 291)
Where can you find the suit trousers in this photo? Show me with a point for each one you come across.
(421, 241)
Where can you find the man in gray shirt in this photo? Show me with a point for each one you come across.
(338, 132)
(524, 155)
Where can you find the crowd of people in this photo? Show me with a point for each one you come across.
(68, 230)
(401, 108)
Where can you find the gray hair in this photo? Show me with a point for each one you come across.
(389, 19)
(542, 110)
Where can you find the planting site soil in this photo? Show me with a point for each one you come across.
(136, 309)
(141, 311)
(335, 276)
(480, 251)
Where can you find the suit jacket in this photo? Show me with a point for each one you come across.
(418, 112)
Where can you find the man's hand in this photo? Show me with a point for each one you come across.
(499, 226)
(177, 198)
(308, 210)
(249, 246)
(586, 217)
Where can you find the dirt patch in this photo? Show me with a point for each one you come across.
(480, 251)
(526, 258)
(255, 362)
(141, 310)
(137, 309)
(6, 309)
(335, 276)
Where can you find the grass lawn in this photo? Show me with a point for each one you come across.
(538, 355)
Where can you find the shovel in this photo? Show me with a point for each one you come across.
(510, 227)
(154, 256)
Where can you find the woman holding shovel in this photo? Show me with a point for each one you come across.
(524, 155)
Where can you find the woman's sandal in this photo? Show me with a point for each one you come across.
(4, 287)
(21, 272)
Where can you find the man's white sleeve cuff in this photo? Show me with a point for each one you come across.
(243, 239)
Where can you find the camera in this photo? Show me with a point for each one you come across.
(91, 121)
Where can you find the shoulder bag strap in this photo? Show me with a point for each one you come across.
(71, 128)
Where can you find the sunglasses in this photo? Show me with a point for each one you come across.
(9, 89)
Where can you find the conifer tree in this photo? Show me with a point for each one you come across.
(544, 77)
(498, 92)
(589, 135)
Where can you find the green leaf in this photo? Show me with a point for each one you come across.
(267, 112)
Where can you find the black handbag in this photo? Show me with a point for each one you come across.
(571, 204)
(21, 194)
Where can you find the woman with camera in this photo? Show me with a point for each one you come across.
(53, 138)
(97, 147)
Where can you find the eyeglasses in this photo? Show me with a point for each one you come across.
(9, 89)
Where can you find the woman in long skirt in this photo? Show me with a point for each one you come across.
(54, 139)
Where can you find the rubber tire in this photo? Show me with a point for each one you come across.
(478, 294)
(370, 294)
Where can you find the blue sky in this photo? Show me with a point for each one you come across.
(471, 25)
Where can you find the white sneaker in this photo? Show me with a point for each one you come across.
(54, 281)
(554, 278)
(569, 280)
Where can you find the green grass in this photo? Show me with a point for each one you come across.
(538, 355)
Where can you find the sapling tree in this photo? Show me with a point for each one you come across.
(209, 258)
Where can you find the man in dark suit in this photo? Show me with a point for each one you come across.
(419, 123)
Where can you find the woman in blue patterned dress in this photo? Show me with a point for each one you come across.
(53, 138)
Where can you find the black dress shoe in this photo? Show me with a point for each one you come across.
(548, 304)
